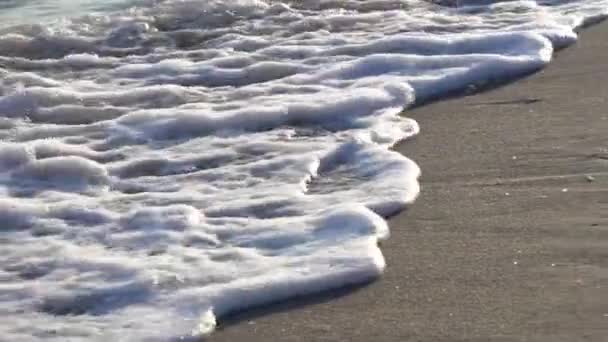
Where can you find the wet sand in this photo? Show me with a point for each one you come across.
(509, 238)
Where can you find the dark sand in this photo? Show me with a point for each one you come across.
(509, 238)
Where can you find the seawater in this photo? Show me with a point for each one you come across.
(167, 162)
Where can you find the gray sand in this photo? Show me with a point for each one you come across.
(509, 239)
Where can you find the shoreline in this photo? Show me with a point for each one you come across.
(507, 241)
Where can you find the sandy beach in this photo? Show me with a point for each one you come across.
(509, 238)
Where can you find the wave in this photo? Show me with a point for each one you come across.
(174, 161)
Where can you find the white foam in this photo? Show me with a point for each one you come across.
(171, 163)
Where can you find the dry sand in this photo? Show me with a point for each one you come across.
(509, 238)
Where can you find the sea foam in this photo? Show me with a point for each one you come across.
(176, 161)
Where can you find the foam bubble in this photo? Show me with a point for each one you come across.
(70, 171)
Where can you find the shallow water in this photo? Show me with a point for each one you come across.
(15, 12)
(167, 162)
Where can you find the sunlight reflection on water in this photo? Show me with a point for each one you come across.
(15, 12)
